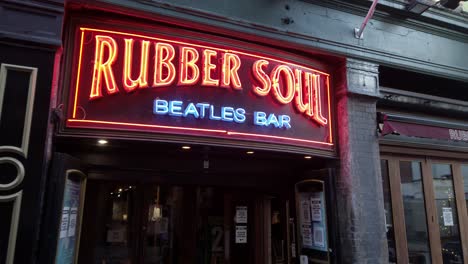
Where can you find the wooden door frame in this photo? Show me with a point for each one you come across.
(396, 198)
(461, 206)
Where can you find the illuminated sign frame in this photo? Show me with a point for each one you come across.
(300, 82)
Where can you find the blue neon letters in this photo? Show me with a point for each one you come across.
(226, 113)
(261, 119)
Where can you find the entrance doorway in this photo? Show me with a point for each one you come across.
(128, 222)
(164, 204)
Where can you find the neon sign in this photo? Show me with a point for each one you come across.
(157, 83)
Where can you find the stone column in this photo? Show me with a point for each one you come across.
(361, 217)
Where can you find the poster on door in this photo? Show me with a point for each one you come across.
(319, 225)
(305, 211)
(447, 216)
(316, 208)
(307, 239)
(241, 214)
(241, 234)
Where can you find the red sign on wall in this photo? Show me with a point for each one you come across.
(156, 83)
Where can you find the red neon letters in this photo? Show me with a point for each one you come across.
(142, 81)
(102, 67)
(188, 60)
(293, 88)
(169, 62)
(231, 64)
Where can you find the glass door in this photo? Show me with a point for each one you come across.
(183, 224)
(130, 223)
(161, 240)
(110, 223)
(447, 214)
(412, 191)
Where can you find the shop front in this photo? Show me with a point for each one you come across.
(424, 165)
(157, 131)
(179, 146)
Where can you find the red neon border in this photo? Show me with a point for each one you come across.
(192, 129)
(174, 128)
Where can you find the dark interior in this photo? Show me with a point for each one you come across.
(422, 83)
(158, 203)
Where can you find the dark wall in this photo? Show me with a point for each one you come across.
(432, 43)
(30, 36)
(25, 84)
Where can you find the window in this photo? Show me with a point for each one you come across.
(446, 210)
(425, 204)
(414, 211)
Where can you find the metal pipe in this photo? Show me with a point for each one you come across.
(370, 13)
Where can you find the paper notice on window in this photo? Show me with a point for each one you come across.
(72, 222)
(64, 222)
(305, 212)
(306, 233)
(304, 259)
(448, 216)
(316, 205)
(241, 234)
(241, 214)
(319, 237)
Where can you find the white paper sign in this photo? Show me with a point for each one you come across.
(448, 216)
(305, 212)
(304, 259)
(116, 235)
(72, 222)
(241, 214)
(64, 222)
(306, 235)
(316, 206)
(319, 238)
(241, 234)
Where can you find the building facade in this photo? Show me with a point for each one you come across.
(233, 132)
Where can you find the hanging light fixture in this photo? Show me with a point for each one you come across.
(156, 214)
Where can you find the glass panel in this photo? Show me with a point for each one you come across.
(210, 229)
(447, 212)
(465, 182)
(108, 236)
(164, 203)
(388, 212)
(415, 213)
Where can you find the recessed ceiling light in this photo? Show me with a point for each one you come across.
(102, 142)
(307, 157)
(250, 152)
(186, 147)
